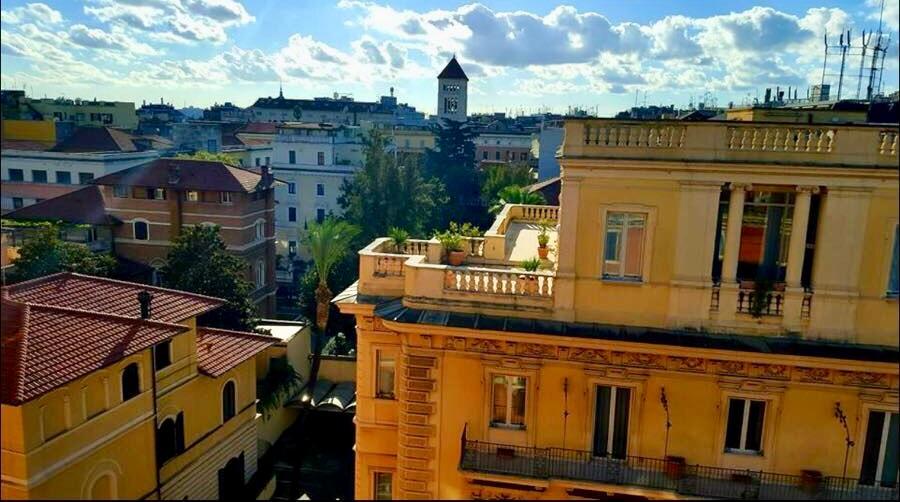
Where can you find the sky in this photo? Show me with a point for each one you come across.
(521, 56)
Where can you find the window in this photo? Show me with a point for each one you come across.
(320, 158)
(212, 146)
(292, 247)
(141, 230)
(879, 462)
(484, 155)
(384, 379)
(292, 188)
(228, 401)
(292, 157)
(383, 486)
(260, 230)
(497, 155)
(745, 425)
(170, 438)
(156, 193)
(765, 234)
(85, 178)
(231, 478)
(260, 274)
(523, 156)
(16, 175)
(39, 176)
(893, 288)
(320, 189)
(623, 248)
(64, 177)
(162, 354)
(267, 160)
(451, 105)
(320, 215)
(131, 382)
(508, 401)
(292, 214)
(120, 191)
(18, 202)
(225, 197)
(192, 196)
(611, 421)
(256, 162)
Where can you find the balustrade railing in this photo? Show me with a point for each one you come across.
(498, 282)
(781, 139)
(756, 302)
(415, 247)
(888, 143)
(714, 298)
(661, 474)
(389, 265)
(540, 213)
(474, 246)
(806, 306)
(634, 135)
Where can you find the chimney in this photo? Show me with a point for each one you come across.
(144, 298)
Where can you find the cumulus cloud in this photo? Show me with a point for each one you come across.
(81, 35)
(31, 13)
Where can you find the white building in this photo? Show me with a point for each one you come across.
(313, 159)
(452, 92)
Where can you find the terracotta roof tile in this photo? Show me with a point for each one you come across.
(83, 206)
(45, 347)
(192, 175)
(96, 139)
(259, 128)
(97, 294)
(219, 350)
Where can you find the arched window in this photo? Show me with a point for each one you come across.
(260, 273)
(231, 477)
(141, 230)
(104, 487)
(170, 438)
(228, 401)
(131, 382)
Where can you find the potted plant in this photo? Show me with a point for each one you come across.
(543, 241)
(467, 231)
(810, 481)
(529, 282)
(674, 467)
(398, 238)
(452, 244)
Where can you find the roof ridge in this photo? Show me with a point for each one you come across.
(145, 286)
(119, 317)
(245, 334)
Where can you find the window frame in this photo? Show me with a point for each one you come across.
(18, 202)
(292, 188)
(192, 196)
(226, 198)
(260, 270)
(650, 213)
(134, 233)
(234, 400)
(122, 382)
(862, 431)
(320, 215)
(20, 175)
(82, 177)
(382, 356)
(508, 424)
(320, 158)
(614, 388)
(119, 190)
(66, 174)
(292, 156)
(259, 228)
(745, 424)
(376, 473)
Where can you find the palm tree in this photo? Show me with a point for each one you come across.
(516, 195)
(328, 242)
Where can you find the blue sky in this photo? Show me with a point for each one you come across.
(520, 55)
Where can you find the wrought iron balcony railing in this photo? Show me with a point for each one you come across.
(661, 474)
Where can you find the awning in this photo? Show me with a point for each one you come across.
(328, 396)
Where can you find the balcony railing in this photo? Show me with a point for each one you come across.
(760, 303)
(660, 474)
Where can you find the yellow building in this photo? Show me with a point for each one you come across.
(40, 131)
(840, 112)
(119, 114)
(111, 390)
(409, 139)
(663, 351)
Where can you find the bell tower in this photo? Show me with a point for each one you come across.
(452, 92)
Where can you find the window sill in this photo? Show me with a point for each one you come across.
(622, 280)
(891, 297)
(745, 453)
(385, 397)
(507, 427)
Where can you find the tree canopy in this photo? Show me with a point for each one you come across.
(390, 191)
(516, 195)
(224, 158)
(44, 253)
(329, 242)
(199, 263)
(453, 162)
(499, 176)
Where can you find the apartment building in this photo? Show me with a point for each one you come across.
(142, 209)
(504, 147)
(717, 318)
(37, 170)
(313, 160)
(83, 112)
(111, 390)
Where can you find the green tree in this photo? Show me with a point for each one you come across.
(44, 253)
(389, 191)
(199, 262)
(499, 176)
(452, 161)
(516, 195)
(224, 158)
(329, 242)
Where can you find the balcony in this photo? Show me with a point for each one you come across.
(737, 142)
(491, 274)
(659, 474)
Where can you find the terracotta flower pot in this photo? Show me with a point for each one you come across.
(810, 481)
(456, 258)
(674, 467)
(543, 252)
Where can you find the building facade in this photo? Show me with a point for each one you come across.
(313, 160)
(119, 114)
(504, 148)
(662, 351)
(107, 394)
(453, 92)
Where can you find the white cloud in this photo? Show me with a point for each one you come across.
(891, 15)
(114, 39)
(31, 13)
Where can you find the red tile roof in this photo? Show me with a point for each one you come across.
(219, 350)
(83, 206)
(108, 296)
(259, 128)
(44, 347)
(191, 175)
(96, 139)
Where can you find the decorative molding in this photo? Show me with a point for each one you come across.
(692, 364)
(738, 368)
(814, 375)
(537, 350)
(863, 379)
(588, 355)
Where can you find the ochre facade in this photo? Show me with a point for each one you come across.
(747, 340)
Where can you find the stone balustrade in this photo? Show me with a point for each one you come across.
(498, 282)
(872, 146)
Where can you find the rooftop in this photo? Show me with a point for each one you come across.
(108, 296)
(44, 347)
(191, 175)
(83, 206)
(453, 70)
(96, 139)
(220, 350)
